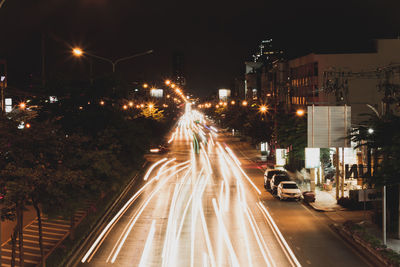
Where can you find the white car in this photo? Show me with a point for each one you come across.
(288, 190)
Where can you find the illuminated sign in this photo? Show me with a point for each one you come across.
(157, 93)
(224, 94)
(312, 158)
(280, 157)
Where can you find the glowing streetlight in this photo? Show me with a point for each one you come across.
(233, 102)
(28, 125)
(173, 85)
(77, 51)
(300, 112)
(145, 85)
(22, 105)
(130, 103)
(167, 82)
(125, 107)
(151, 105)
(244, 103)
(102, 102)
(263, 109)
(370, 131)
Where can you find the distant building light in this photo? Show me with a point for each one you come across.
(136, 90)
(53, 99)
(157, 93)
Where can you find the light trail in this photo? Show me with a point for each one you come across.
(242, 223)
(92, 250)
(233, 156)
(280, 237)
(135, 218)
(147, 245)
(248, 179)
(228, 242)
(171, 225)
(152, 167)
(160, 171)
(207, 236)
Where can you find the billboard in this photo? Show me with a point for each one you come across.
(328, 126)
(224, 94)
(157, 93)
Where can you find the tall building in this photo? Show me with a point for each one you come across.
(262, 70)
(178, 68)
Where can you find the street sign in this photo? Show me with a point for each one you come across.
(328, 126)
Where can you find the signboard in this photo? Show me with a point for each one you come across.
(328, 126)
(369, 195)
(8, 105)
(312, 158)
(224, 94)
(157, 93)
(280, 157)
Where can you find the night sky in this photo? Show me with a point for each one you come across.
(216, 37)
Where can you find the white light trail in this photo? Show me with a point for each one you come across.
(230, 152)
(242, 223)
(228, 243)
(147, 245)
(160, 171)
(111, 224)
(276, 231)
(152, 167)
(136, 217)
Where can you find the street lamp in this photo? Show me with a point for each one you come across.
(263, 109)
(78, 52)
(167, 82)
(244, 103)
(300, 112)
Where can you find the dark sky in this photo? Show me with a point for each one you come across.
(216, 37)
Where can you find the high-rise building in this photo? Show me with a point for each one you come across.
(178, 73)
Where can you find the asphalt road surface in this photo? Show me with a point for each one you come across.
(203, 204)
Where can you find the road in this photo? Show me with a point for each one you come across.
(203, 204)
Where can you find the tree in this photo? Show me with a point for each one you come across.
(292, 133)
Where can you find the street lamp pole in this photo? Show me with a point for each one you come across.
(79, 52)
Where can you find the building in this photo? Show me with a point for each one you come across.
(343, 79)
(3, 81)
(178, 69)
(258, 75)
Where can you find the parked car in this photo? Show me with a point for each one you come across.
(277, 179)
(288, 190)
(268, 176)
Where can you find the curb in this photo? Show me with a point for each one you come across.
(369, 253)
(315, 207)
